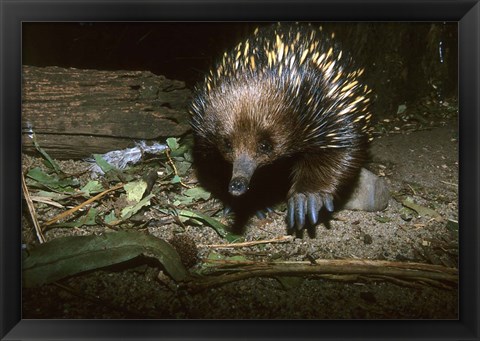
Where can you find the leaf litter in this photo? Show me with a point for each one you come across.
(176, 206)
(46, 264)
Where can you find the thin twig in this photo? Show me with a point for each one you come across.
(413, 191)
(282, 239)
(83, 204)
(47, 201)
(449, 183)
(170, 161)
(31, 209)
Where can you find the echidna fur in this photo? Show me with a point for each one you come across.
(287, 101)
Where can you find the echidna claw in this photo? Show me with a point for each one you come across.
(328, 202)
(300, 211)
(313, 206)
(262, 214)
(291, 213)
(301, 206)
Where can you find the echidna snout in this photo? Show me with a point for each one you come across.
(238, 186)
(243, 168)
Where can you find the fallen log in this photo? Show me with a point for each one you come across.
(75, 113)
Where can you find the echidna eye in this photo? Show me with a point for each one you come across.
(265, 147)
(228, 145)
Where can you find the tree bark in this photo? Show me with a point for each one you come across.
(75, 113)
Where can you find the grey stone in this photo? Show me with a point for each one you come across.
(370, 193)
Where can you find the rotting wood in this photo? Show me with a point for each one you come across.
(75, 112)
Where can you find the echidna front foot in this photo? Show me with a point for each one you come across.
(303, 206)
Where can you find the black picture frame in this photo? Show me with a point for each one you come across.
(13, 13)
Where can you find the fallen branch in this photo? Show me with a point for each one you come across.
(337, 269)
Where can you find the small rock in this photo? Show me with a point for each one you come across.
(367, 239)
(370, 193)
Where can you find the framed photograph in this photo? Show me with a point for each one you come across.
(239, 170)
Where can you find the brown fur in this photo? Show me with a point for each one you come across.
(325, 172)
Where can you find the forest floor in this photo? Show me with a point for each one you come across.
(419, 165)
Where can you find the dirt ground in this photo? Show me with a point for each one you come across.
(421, 164)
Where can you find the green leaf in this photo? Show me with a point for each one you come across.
(220, 228)
(52, 195)
(129, 211)
(175, 180)
(197, 193)
(110, 218)
(68, 256)
(135, 190)
(92, 187)
(172, 143)
(84, 220)
(182, 200)
(104, 165)
(49, 161)
(175, 148)
(182, 167)
(52, 181)
(188, 156)
(421, 210)
(215, 256)
(452, 225)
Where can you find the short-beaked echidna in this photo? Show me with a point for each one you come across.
(285, 112)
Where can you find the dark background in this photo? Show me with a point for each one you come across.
(405, 62)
